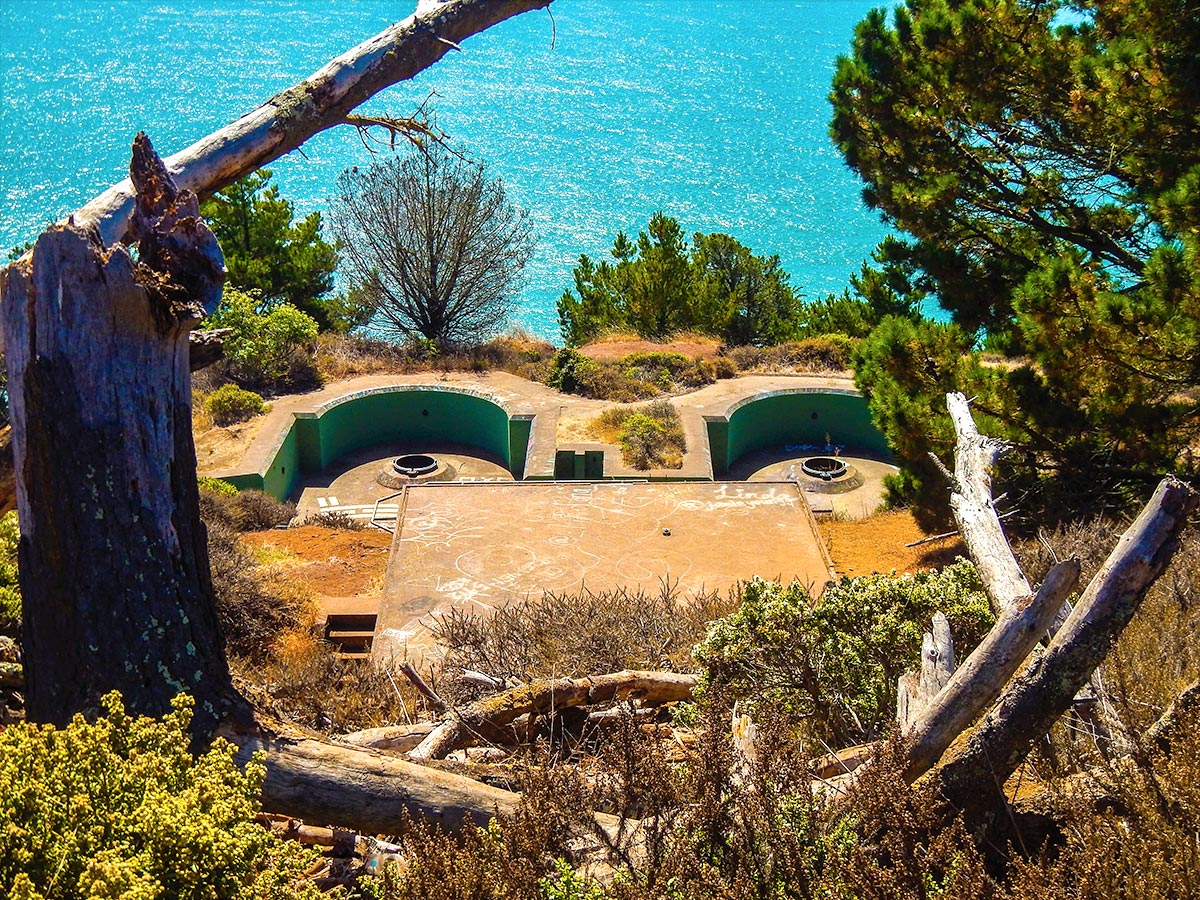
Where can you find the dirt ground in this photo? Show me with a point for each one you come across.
(877, 544)
(332, 563)
(218, 449)
(606, 350)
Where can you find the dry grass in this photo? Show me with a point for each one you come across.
(823, 355)
(346, 356)
(304, 681)
(577, 634)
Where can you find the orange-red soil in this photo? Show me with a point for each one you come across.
(332, 563)
(877, 544)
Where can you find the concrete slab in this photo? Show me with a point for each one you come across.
(476, 546)
(351, 484)
(783, 464)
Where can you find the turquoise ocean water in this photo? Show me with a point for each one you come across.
(595, 114)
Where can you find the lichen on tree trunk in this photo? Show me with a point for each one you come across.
(96, 342)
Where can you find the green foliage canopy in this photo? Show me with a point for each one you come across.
(657, 286)
(267, 346)
(269, 251)
(230, 404)
(1047, 177)
(834, 665)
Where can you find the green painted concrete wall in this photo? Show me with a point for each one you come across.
(315, 440)
(794, 417)
(412, 416)
(281, 475)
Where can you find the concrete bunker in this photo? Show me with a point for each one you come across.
(797, 421)
(422, 414)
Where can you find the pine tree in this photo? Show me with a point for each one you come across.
(1043, 161)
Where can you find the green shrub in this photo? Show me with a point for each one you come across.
(216, 486)
(724, 367)
(826, 353)
(230, 404)
(10, 586)
(270, 348)
(248, 510)
(652, 437)
(121, 809)
(568, 369)
(835, 664)
(641, 438)
(337, 519)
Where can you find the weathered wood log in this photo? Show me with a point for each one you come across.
(842, 762)
(972, 775)
(979, 680)
(916, 690)
(324, 99)
(491, 716)
(436, 703)
(398, 738)
(367, 791)
(975, 512)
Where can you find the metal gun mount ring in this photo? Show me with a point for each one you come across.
(414, 464)
(827, 468)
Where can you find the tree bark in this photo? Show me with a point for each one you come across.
(972, 778)
(489, 717)
(917, 689)
(113, 556)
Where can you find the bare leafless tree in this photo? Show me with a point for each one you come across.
(434, 243)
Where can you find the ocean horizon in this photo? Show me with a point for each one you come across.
(595, 114)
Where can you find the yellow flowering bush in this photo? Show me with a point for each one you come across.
(122, 809)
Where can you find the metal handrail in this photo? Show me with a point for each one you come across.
(375, 512)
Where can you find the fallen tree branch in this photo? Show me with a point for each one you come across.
(436, 703)
(398, 738)
(368, 791)
(975, 511)
(973, 776)
(490, 717)
(979, 680)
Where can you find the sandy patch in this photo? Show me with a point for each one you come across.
(219, 449)
(609, 350)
